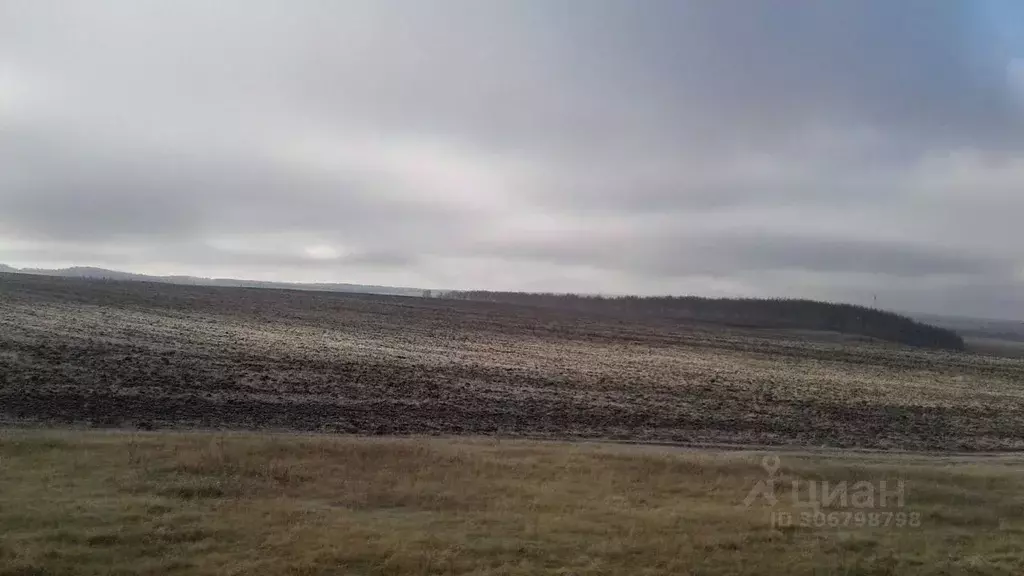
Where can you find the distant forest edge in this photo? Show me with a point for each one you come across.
(749, 312)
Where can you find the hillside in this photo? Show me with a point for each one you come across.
(746, 312)
(749, 312)
(105, 274)
(112, 353)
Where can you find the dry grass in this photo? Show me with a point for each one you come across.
(206, 503)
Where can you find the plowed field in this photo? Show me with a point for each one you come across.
(123, 354)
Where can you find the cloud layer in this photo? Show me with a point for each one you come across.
(835, 150)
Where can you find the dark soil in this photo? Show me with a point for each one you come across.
(133, 354)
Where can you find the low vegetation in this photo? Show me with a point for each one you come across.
(205, 503)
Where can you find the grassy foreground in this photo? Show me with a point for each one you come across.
(205, 503)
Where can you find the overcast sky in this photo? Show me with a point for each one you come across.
(835, 150)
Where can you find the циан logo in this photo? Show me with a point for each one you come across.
(857, 504)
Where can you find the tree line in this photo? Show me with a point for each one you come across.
(746, 312)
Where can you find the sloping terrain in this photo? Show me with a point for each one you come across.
(88, 272)
(130, 353)
(761, 313)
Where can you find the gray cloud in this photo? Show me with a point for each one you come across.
(679, 254)
(57, 191)
(818, 149)
(207, 257)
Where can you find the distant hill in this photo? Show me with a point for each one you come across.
(104, 274)
(1012, 330)
(748, 312)
(942, 333)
